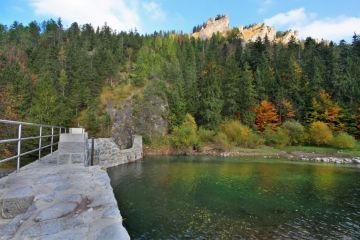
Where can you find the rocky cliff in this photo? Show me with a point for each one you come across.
(259, 30)
(143, 114)
(212, 26)
(247, 34)
(285, 37)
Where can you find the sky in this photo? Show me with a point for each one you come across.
(321, 19)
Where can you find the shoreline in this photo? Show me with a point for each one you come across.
(326, 157)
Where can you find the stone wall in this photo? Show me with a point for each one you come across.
(108, 154)
(70, 201)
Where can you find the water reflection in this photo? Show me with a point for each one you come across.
(207, 198)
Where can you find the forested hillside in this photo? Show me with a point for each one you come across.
(49, 74)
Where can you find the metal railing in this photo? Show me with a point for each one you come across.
(20, 139)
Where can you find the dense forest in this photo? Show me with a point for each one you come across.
(49, 74)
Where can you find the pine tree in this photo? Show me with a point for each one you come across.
(63, 80)
(209, 113)
(190, 80)
(44, 102)
(230, 88)
(247, 96)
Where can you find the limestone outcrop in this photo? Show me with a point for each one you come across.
(286, 37)
(213, 26)
(221, 25)
(259, 30)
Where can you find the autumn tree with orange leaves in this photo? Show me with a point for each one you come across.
(266, 115)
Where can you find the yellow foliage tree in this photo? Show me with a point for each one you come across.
(287, 110)
(320, 133)
(325, 110)
(185, 136)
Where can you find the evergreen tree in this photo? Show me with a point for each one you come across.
(44, 103)
(209, 112)
(230, 88)
(247, 96)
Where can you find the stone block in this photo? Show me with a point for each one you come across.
(16, 201)
(72, 138)
(77, 158)
(71, 147)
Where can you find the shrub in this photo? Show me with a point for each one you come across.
(320, 133)
(296, 132)
(276, 137)
(236, 132)
(185, 136)
(223, 141)
(255, 140)
(205, 135)
(343, 141)
(239, 134)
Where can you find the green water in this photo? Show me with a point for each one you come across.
(216, 198)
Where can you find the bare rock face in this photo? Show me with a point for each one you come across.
(123, 129)
(259, 30)
(247, 34)
(213, 26)
(146, 116)
(286, 37)
(150, 117)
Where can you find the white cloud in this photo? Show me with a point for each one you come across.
(154, 11)
(331, 29)
(118, 14)
(309, 25)
(293, 17)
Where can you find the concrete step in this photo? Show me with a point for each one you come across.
(72, 148)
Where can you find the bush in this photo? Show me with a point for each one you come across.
(296, 132)
(320, 133)
(277, 138)
(239, 134)
(223, 141)
(343, 141)
(205, 135)
(185, 136)
(255, 140)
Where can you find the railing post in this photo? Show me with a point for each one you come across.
(92, 152)
(18, 148)
(52, 139)
(40, 138)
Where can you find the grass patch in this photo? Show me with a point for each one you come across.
(262, 149)
(322, 149)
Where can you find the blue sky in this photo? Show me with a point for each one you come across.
(327, 19)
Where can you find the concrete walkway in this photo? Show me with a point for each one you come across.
(49, 201)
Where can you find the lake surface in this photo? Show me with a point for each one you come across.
(237, 198)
